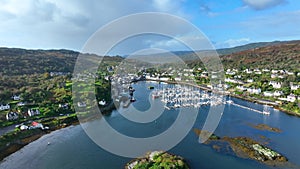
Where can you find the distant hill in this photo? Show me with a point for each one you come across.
(190, 55)
(249, 46)
(278, 54)
(14, 61)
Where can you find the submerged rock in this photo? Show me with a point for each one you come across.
(158, 160)
(266, 128)
(245, 147)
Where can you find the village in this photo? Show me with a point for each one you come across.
(269, 86)
(280, 88)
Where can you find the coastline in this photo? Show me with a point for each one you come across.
(36, 148)
(18, 144)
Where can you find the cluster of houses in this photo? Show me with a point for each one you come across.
(13, 115)
(182, 75)
(236, 78)
(32, 125)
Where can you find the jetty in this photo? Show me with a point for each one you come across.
(266, 111)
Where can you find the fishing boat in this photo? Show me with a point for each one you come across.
(132, 99)
(155, 95)
(229, 101)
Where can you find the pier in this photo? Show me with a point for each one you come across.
(265, 111)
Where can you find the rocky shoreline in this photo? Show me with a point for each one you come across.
(21, 139)
(245, 147)
(18, 143)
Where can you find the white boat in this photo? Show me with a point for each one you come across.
(266, 110)
(229, 101)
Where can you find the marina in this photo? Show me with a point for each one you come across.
(186, 96)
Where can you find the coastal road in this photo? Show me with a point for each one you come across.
(6, 129)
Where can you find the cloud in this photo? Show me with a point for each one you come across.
(207, 10)
(283, 25)
(232, 43)
(176, 44)
(31, 11)
(68, 23)
(263, 4)
(167, 5)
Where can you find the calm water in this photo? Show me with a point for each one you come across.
(71, 148)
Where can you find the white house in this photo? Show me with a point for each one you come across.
(5, 107)
(16, 97)
(35, 125)
(229, 80)
(102, 102)
(268, 94)
(254, 90)
(294, 87)
(12, 116)
(276, 85)
(248, 71)
(81, 104)
(250, 80)
(21, 104)
(203, 74)
(242, 88)
(237, 76)
(32, 112)
(258, 73)
(278, 93)
(64, 105)
(23, 127)
(289, 73)
(274, 76)
(177, 78)
(291, 98)
(164, 78)
(229, 72)
(188, 70)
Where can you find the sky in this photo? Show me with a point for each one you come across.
(68, 24)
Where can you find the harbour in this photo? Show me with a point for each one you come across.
(64, 152)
